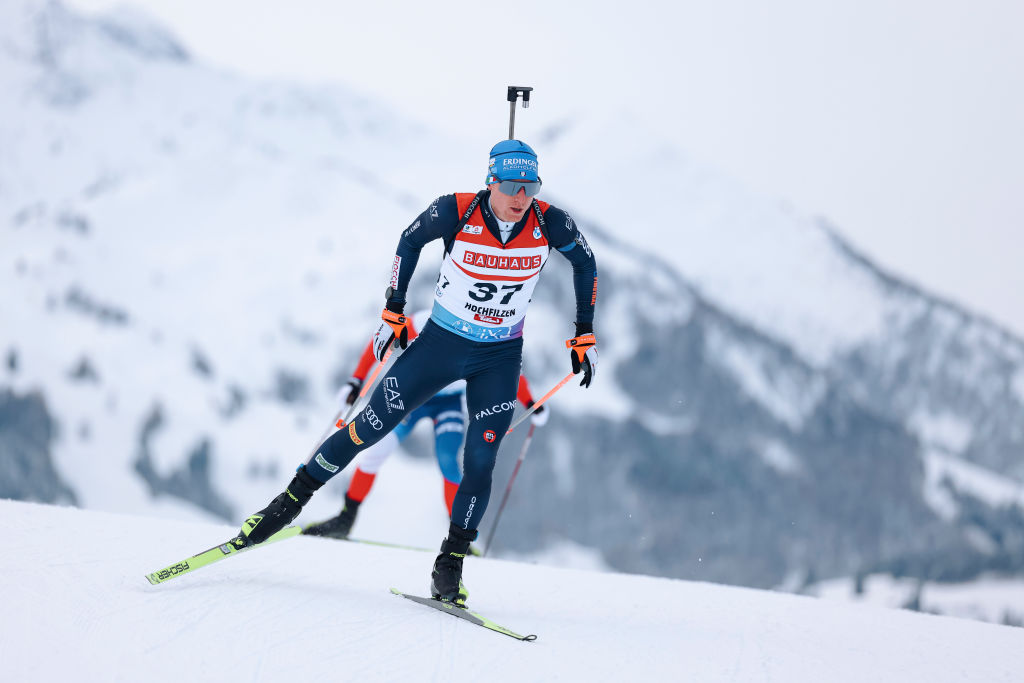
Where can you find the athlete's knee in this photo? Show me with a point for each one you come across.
(477, 465)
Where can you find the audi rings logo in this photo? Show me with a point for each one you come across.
(372, 418)
(490, 436)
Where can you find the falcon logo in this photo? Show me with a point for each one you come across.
(490, 436)
(496, 408)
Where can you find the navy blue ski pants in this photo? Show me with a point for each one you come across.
(433, 360)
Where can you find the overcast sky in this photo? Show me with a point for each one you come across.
(900, 121)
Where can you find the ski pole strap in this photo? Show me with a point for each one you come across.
(538, 403)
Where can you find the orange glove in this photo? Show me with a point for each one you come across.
(584, 356)
(393, 327)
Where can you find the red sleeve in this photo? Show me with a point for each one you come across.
(523, 394)
(366, 362)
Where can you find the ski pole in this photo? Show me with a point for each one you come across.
(514, 91)
(538, 404)
(380, 366)
(338, 422)
(327, 433)
(508, 489)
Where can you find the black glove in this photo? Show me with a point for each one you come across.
(540, 416)
(583, 353)
(349, 392)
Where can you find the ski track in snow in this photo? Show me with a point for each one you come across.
(77, 607)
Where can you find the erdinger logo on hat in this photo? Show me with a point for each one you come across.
(514, 167)
(512, 160)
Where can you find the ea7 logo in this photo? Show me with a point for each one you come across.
(473, 229)
(392, 395)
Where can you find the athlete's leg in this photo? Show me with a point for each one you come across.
(449, 426)
(370, 460)
(491, 385)
(419, 373)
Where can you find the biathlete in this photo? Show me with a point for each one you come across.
(446, 409)
(496, 243)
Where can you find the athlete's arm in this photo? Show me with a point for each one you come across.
(570, 243)
(366, 362)
(437, 222)
(541, 415)
(523, 394)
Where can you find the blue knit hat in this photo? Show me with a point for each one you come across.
(512, 160)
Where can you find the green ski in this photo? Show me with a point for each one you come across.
(464, 614)
(219, 552)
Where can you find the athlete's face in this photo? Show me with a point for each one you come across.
(509, 207)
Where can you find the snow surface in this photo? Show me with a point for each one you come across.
(989, 598)
(77, 607)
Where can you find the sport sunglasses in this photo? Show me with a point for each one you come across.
(512, 187)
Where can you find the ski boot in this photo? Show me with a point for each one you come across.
(446, 579)
(281, 511)
(338, 526)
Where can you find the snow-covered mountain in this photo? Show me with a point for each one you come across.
(190, 262)
(314, 609)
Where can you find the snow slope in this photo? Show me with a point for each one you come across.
(196, 260)
(313, 609)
